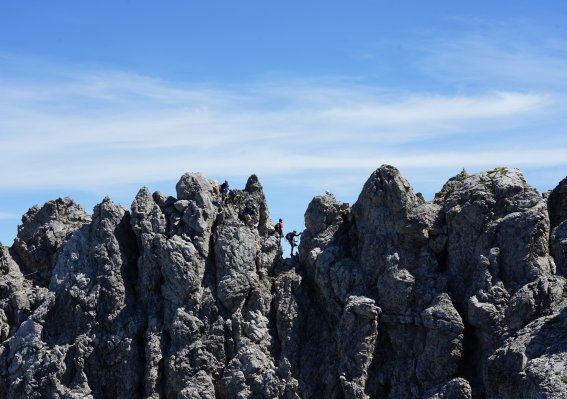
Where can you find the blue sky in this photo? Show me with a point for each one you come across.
(101, 98)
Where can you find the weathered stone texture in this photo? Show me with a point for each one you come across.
(187, 296)
(42, 233)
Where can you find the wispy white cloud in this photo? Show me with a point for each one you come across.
(107, 128)
(512, 53)
(92, 129)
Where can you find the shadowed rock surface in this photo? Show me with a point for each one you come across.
(189, 297)
(557, 204)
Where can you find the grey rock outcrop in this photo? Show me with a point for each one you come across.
(452, 278)
(187, 296)
(78, 349)
(42, 232)
(380, 250)
(18, 295)
(171, 299)
(27, 266)
(533, 362)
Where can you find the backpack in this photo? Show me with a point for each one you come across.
(289, 237)
(278, 228)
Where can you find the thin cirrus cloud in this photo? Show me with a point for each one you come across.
(118, 128)
(514, 53)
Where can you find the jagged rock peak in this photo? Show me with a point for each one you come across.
(499, 182)
(188, 296)
(387, 186)
(42, 233)
(195, 187)
(253, 184)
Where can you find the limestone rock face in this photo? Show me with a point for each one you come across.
(18, 295)
(42, 232)
(451, 278)
(187, 296)
(531, 363)
(74, 336)
(26, 268)
(379, 252)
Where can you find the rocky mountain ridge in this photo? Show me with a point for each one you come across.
(392, 297)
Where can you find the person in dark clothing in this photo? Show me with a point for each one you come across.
(279, 229)
(290, 237)
(224, 190)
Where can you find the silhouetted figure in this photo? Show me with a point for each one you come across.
(224, 190)
(279, 229)
(290, 237)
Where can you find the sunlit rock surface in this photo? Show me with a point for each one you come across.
(188, 296)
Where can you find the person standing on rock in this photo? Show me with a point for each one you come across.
(279, 229)
(224, 190)
(290, 237)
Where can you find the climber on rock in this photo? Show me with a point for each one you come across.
(224, 190)
(290, 237)
(278, 227)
